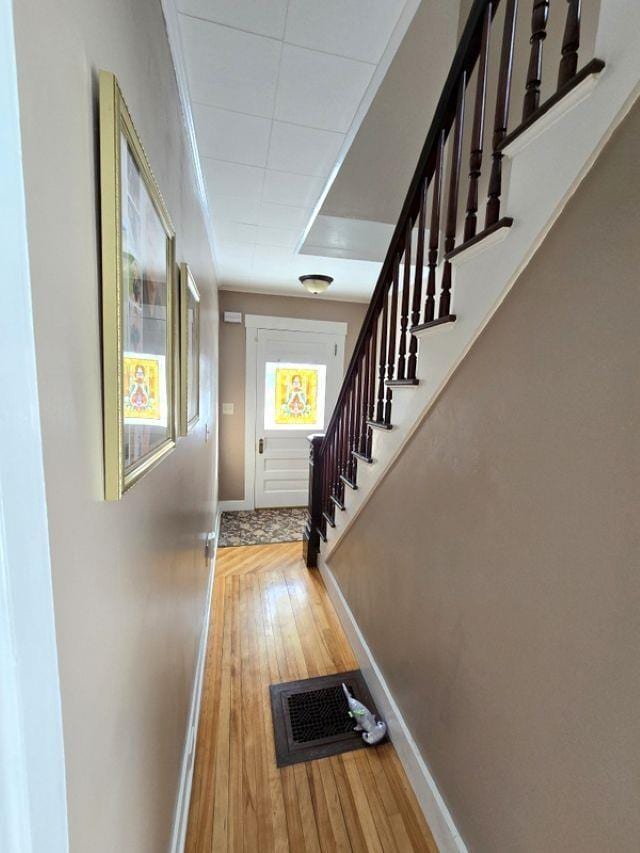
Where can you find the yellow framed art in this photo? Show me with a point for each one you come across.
(138, 298)
(189, 351)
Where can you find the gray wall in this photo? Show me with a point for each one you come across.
(129, 578)
(232, 356)
(506, 538)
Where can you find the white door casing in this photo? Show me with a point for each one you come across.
(321, 337)
(33, 809)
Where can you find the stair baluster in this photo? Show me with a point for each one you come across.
(417, 285)
(502, 112)
(539, 19)
(364, 400)
(391, 354)
(372, 381)
(382, 358)
(404, 311)
(570, 44)
(444, 307)
(353, 421)
(434, 231)
(475, 159)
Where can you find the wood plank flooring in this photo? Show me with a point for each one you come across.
(272, 621)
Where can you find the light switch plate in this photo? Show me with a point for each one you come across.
(227, 408)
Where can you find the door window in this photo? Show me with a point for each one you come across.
(294, 396)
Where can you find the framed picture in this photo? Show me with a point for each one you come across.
(189, 351)
(138, 298)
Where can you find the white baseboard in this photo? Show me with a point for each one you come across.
(235, 506)
(179, 834)
(433, 806)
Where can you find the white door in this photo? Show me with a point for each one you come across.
(298, 377)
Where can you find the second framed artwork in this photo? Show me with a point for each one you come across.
(189, 351)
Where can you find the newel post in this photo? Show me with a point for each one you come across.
(311, 538)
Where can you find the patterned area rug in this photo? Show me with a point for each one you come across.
(262, 526)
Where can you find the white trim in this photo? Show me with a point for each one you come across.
(362, 299)
(33, 808)
(250, 390)
(287, 324)
(424, 786)
(235, 506)
(293, 324)
(175, 47)
(179, 834)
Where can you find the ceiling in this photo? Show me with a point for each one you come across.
(278, 89)
(358, 213)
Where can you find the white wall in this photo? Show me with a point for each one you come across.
(33, 813)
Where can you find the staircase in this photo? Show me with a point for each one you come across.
(504, 153)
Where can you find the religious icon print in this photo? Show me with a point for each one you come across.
(144, 383)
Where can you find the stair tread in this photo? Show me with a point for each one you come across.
(362, 456)
(351, 483)
(337, 502)
(402, 383)
(328, 519)
(440, 321)
(379, 424)
(595, 66)
(504, 222)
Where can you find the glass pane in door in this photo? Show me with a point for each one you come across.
(294, 396)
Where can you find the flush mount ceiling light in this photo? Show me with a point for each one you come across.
(315, 283)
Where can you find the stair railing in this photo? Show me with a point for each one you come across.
(413, 291)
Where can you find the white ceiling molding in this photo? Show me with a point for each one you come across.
(175, 45)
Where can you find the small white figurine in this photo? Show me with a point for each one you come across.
(372, 731)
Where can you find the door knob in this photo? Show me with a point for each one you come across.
(261, 446)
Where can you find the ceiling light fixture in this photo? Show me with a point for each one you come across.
(315, 283)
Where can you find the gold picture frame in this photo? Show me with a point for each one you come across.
(189, 351)
(138, 298)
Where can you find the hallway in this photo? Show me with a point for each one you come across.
(272, 621)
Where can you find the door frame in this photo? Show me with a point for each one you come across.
(33, 808)
(252, 323)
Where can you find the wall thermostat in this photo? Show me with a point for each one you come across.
(232, 317)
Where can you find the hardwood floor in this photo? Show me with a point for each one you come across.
(272, 621)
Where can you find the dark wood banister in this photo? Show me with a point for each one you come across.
(381, 360)
(464, 62)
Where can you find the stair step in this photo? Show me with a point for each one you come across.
(379, 424)
(320, 533)
(328, 519)
(571, 93)
(489, 237)
(402, 383)
(338, 502)
(362, 457)
(348, 482)
(441, 321)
